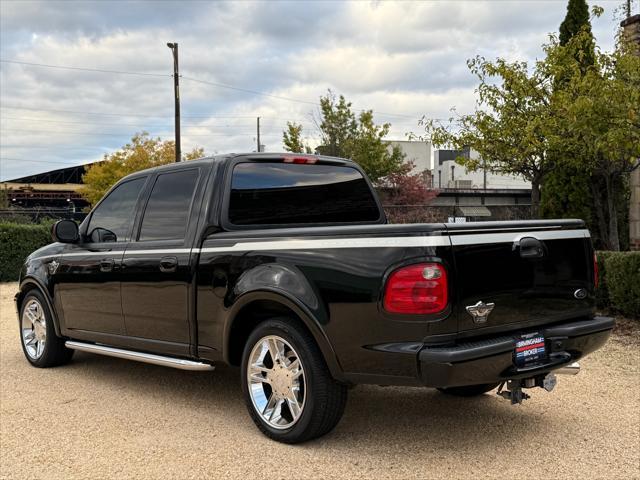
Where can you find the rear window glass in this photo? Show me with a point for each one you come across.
(286, 193)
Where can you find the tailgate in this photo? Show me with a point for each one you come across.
(534, 273)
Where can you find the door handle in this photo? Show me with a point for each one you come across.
(531, 248)
(106, 264)
(168, 264)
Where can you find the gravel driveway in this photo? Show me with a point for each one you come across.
(105, 418)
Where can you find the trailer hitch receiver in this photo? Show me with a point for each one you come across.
(514, 392)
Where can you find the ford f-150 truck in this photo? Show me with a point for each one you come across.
(284, 265)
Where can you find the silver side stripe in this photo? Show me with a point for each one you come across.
(108, 253)
(331, 243)
(342, 243)
(165, 250)
(431, 241)
(513, 237)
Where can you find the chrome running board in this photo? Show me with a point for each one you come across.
(139, 356)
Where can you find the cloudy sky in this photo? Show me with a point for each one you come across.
(240, 60)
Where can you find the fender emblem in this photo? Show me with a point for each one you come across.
(480, 311)
(52, 267)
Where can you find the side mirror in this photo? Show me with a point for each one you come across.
(65, 231)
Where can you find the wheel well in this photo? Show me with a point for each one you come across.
(23, 293)
(248, 318)
(27, 287)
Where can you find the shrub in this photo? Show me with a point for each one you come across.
(619, 289)
(12, 217)
(623, 282)
(17, 241)
(602, 293)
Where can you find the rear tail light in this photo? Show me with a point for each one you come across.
(417, 289)
(596, 274)
(293, 159)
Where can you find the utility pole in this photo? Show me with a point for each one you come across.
(176, 96)
(258, 133)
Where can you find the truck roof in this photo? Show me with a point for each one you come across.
(250, 155)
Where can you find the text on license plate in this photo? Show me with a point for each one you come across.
(529, 348)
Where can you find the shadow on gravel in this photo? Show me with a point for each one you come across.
(374, 416)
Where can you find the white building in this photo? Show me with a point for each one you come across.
(449, 174)
(417, 152)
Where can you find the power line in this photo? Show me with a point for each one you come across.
(62, 162)
(194, 125)
(58, 147)
(123, 72)
(84, 69)
(75, 132)
(197, 80)
(288, 99)
(305, 122)
(81, 112)
(64, 122)
(246, 90)
(147, 126)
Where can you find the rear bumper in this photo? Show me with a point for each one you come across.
(491, 360)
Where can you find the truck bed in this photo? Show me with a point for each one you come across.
(335, 275)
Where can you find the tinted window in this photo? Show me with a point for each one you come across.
(115, 213)
(286, 193)
(167, 212)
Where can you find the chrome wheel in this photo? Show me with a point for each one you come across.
(276, 381)
(33, 328)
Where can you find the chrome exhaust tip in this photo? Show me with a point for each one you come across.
(570, 369)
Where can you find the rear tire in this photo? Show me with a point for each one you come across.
(40, 344)
(288, 389)
(469, 390)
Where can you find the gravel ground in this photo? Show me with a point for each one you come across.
(107, 418)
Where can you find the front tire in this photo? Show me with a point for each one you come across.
(287, 386)
(40, 344)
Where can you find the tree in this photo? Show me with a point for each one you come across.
(605, 121)
(405, 194)
(576, 18)
(338, 126)
(292, 139)
(576, 21)
(524, 125)
(369, 150)
(142, 152)
(343, 134)
(513, 127)
(568, 193)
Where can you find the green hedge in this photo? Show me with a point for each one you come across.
(619, 289)
(17, 241)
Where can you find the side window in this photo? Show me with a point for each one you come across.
(167, 212)
(111, 221)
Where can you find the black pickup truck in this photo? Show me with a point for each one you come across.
(285, 266)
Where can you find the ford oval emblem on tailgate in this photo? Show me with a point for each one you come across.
(480, 311)
(580, 294)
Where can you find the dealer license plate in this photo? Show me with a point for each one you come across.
(530, 349)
